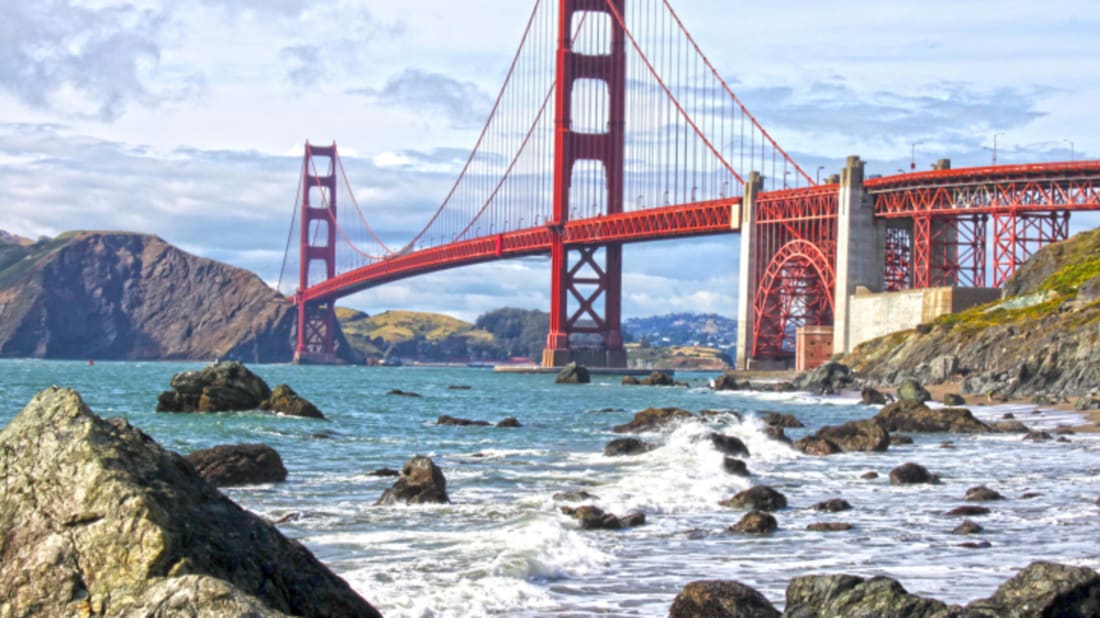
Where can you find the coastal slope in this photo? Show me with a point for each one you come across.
(1039, 341)
(126, 296)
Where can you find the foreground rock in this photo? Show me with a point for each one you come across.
(910, 415)
(99, 519)
(652, 419)
(911, 474)
(855, 436)
(728, 382)
(847, 595)
(827, 379)
(594, 518)
(721, 599)
(755, 522)
(626, 446)
(228, 465)
(230, 386)
(757, 498)
(573, 374)
(421, 482)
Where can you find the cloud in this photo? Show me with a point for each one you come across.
(462, 103)
(304, 67)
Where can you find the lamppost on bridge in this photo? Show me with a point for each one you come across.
(913, 156)
(819, 168)
(1071, 153)
(995, 146)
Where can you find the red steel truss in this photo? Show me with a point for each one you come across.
(317, 314)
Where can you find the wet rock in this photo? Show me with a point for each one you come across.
(728, 382)
(578, 495)
(776, 433)
(757, 498)
(384, 472)
(829, 526)
(830, 377)
(652, 419)
(219, 387)
(459, 387)
(735, 466)
(1044, 589)
(510, 422)
(729, 445)
(1064, 430)
(856, 436)
(1008, 427)
(659, 378)
(460, 422)
(709, 413)
(1029, 495)
(755, 522)
(594, 518)
(626, 446)
(911, 473)
(421, 482)
(630, 381)
(981, 493)
(908, 415)
(867, 476)
(396, 392)
(872, 397)
(775, 419)
(846, 595)
(1008, 416)
(116, 525)
(954, 399)
(897, 439)
(1038, 436)
(812, 445)
(833, 505)
(947, 444)
(229, 465)
(284, 400)
(968, 527)
(976, 544)
(720, 599)
(968, 511)
(912, 390)
(573, 374)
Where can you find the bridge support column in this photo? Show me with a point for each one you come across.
(860, 249)
(749, 272)
(317, 318)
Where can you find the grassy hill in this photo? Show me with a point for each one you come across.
(413, 334)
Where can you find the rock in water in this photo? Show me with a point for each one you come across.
(652, 419)
(911, 390)
(865, 436)
(421, 481)
(847, 595)
(98, 519)
(573, 374)
(626, 446)
(828, 378)
(721, 599)
(910, 415)
(755, 522)
(284, 400)
(757, 498)
(227, 465)
(228, 386)
(1044, 589)
(910, 474)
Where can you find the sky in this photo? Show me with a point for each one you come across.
(187, 119)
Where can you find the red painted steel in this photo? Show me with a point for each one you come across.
(317, 315)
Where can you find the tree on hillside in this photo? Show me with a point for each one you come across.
(518, 332)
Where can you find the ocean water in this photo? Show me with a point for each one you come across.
(502, 548)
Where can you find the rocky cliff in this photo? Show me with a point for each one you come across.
(1040, 341)
(116, 295)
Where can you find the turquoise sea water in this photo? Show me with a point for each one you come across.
(503, 548)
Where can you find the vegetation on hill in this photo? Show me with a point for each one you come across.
(411, 334)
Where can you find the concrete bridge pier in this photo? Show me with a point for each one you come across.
(746, 281)
(860, 248)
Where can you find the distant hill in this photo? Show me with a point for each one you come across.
(118, 295)
(414, 335)
(684, 329)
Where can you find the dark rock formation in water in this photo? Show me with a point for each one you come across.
(828, 378)
(227, 465)
(573, 374)
(652, 419)
(283, 400)
(913, 416)
(910, 474)
(728, 445)
(626, 446)
(912, 390)
(594, 518)
(421, 482)
(97, 519)
(755, 522)
(856, 436)
(757, 498)
(847, 595)
(447, 419)
(227, 386)
(721, 599)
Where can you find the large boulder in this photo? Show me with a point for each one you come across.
(284, 400)
(421, 482)
(573, 374)
(757, 498)
(728, 382)
(227, 465)
(652, 419)
(1044, 589)
(98, 519)
(910, 415)
(626, 446)
(828, 378)
(910, 474)
(812, 596)
(721, 599)
(755, 522)
(219, 387)
(912, 390)
(594, 518)
(728, 445)
(855, 436)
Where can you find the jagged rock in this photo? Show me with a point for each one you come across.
(735, 466)
(284, 400)
(1084, 404)
(384, 472)
(460, 422)
(909, 415)
(967, 527)
(968, 511)
(1038, 436)
(777, 434)
(594, 518)
(867, 476)
(720, 599)
(652, 419)
(981, 493)
(812, 445)
(856, 436)
(900, 439)
(728, 382)
(1044, 589)
(1008, 427)
(775, 419)
(510, 422)
(573, 374)
(228, 465)
(911, 390)
(954, 399)
(911, 473)
(578, 495)
(757, 498)
(630, 381)
(98, 519)
(872, 397)
(421, 482)
(729, 445)
(755, 522)
(626, 446)
(659, 378)
(846, 595)
(396, 392)
(976, 545)
(829, 526)
(833, 505)
(828, 378)
(219, 387)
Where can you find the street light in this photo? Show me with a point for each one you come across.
(913, 156)
(819, 168)
(1070, 142)
(995, 146)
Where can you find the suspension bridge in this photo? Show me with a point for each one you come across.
(613, 127)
